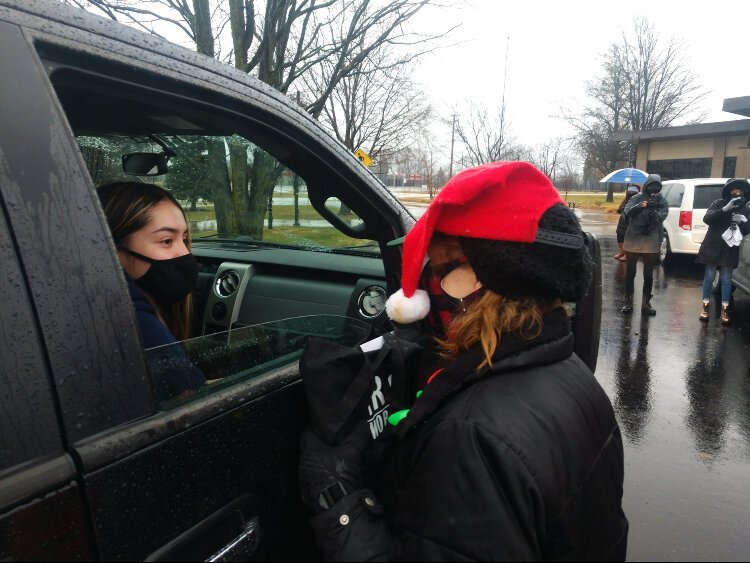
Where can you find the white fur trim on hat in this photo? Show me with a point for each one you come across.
(405, 310)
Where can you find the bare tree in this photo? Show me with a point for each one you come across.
(379, 108)
(485, 134)
(645, 83)
(548, 156)
(279, 41)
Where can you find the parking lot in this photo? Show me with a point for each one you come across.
(681, 392)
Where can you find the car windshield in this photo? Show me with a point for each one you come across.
(200, 170)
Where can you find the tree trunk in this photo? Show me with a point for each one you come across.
(610, 192)
(222, 189)
(239, 166)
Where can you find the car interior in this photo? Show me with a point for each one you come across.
(295, 252)
(299, 250)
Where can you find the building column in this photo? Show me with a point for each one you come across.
(742, 170)
(641, 155)
(717, 162)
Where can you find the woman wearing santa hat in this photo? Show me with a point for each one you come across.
(511, 450)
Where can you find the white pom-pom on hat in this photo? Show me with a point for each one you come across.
(405, 310)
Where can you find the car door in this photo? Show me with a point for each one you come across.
(742, 274)
(42, 510)
(160, 482)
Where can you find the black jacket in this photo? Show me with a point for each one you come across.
(172, 373)
(714, 251)
(520, 462)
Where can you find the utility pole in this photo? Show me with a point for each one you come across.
(453, 135)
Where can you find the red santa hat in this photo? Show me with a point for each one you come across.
(499, 201)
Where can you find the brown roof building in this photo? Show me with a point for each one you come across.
(707, 150)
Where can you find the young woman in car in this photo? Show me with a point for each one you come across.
(151, 235)
(727, 221)
(511, 452)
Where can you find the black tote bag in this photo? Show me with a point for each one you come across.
(346, 386)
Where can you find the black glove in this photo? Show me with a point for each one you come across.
(326, 473)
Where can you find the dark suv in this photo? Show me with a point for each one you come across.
(741, 275)
(290, 231)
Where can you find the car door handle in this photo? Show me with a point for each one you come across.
(242, 547)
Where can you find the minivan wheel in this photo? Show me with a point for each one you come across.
(665, 251)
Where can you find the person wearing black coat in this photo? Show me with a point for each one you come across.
(511, 452)
(645, 213)
(622, 223)
(727, 220)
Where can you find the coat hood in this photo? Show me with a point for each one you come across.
(736, 183)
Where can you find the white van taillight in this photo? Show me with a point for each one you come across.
(686, 220)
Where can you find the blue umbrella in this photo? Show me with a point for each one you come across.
(624, 176)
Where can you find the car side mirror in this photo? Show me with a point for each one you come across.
(145, 163)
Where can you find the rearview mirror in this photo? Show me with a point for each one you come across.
(145, 163)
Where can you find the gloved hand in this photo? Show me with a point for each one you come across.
(328, 473)
(734, 202)
(739, 218)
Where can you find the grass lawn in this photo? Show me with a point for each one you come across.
(596, 201)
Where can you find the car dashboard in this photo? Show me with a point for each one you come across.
(243, 284)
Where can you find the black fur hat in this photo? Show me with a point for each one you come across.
(544, 271)
(732, 184)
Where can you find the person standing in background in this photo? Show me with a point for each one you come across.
(622, 223)
(720, 250)
(645, 213)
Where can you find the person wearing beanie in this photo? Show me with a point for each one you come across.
(727, 220)
(622, 223)
(511, 450)
(645, 213)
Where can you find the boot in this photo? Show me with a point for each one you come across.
(704, 314)
(628, 307)
(646, 306)
(621, 254)
(725, 314)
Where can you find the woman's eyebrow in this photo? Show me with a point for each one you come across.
(169, 230)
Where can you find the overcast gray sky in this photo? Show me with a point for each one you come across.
(555, 46)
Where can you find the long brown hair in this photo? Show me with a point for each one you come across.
(492, 317)
(127, 207)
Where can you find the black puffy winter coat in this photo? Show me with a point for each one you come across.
(714, 251)
(523, 461)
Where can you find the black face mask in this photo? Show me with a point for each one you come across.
(168, 281)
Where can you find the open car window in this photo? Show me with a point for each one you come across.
(203, 172)
(194, 368)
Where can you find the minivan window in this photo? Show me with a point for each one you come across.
(674, 195)
(706, 195)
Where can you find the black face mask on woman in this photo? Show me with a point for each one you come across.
(168, 281)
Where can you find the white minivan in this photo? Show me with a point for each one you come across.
(688, 201)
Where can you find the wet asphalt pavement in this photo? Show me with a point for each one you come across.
(681, 393)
